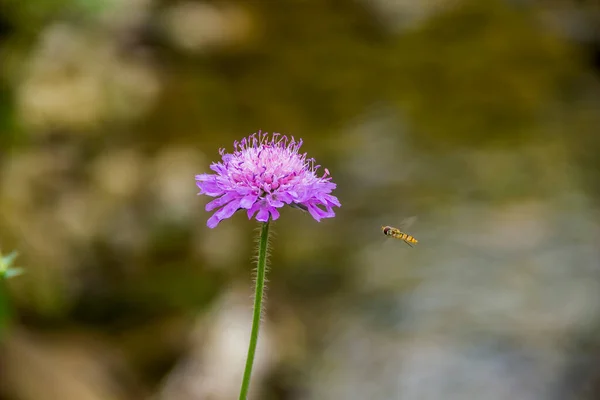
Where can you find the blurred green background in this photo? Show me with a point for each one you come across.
(482, 118)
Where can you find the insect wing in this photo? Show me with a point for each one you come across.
(407, 223)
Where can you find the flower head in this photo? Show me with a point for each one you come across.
(264, 173)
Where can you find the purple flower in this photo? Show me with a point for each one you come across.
(264, 173)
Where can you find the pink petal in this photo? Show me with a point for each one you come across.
(263, 214)
(274, 213)
(248, 201)
(220, 201)
(252, 210)
(223, 213)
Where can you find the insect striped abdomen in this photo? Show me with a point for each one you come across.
(397, 234)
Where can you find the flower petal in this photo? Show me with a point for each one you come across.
(318, 213)
(208, 185)
(252, 210)
(273, 202)
(248, 201)
(205, 177)
(285, 197)
(332, 200)
(229, 209)
(221, 201)
(263, 214)
(274, 213)
(213, 221)
(223, 213)
(219, 168)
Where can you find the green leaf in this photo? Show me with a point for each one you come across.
(12, 272)
(7, 260)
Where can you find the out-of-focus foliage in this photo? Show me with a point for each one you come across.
(482, 73)
(286, 74)
(7, 271)
(5, 313)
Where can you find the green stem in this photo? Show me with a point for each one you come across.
(258, 297)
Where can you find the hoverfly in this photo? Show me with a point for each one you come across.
(396, 233)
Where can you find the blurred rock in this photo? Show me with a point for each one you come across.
(32, 183)
(76, 80)
(216, 244)
(572, 19)
(215, 365)
(398, 15)
(492, 313)
(62, 369)
(378, 136)
(118, 173)
(25, 175)
(124, 15)
(171, 183)
(528, 218)
(199, 26)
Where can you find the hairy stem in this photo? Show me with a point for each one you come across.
(258, 298)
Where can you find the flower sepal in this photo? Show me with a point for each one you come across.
(299, 206)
